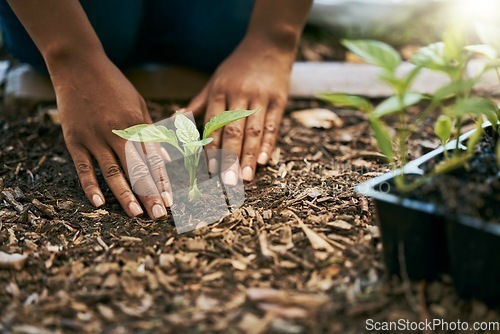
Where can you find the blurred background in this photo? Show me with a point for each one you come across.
(405, 24)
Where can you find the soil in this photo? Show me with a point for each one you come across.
(472, 190)
(302, 255)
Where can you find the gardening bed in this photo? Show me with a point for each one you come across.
(302, 255)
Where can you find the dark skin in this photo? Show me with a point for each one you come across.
(94, 97)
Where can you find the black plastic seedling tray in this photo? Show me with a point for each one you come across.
(413, 232)
(421, 241)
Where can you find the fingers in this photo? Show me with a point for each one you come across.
(232, 141)
(114, 177)
(153, 155)
(216, 104)
(271, 125)
(253, 139)
(141, 179)
(84, 168)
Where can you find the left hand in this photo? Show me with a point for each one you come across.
(254, 76)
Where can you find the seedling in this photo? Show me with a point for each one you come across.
(186, 139)
(388, 59)
(451, 56)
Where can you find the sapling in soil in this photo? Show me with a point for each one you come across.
(185, 139)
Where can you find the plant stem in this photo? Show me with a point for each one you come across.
(191, 164)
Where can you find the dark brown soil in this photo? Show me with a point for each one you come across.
(472, 189)
(303, 234)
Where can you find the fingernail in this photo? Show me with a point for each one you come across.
(247, 173)
(262, 159)
(97, 200)
(158, 211)
(167, 198)
(213, 166)
(230, 178)
(135, 209)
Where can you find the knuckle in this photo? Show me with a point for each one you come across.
(249, 156)
(124, 193)
(254, 130)
(112, 171)
(271, 128)
(138, 170)
(155, 161)
(83, 169)
(218, 96)
(233, 131)
(279, 101)
(150, 192)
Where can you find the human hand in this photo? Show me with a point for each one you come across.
(93, 98)
(254, 76)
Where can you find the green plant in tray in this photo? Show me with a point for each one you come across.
(453, 102)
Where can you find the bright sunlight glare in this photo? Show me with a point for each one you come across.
(471, 11)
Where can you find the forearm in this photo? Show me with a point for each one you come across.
(59, 28)
(278, 22)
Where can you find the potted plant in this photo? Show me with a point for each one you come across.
(198, 198)
(426, 228)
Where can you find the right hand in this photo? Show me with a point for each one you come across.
(93, 98)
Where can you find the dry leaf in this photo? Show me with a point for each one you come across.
(251, 324)
(316, 241)
(273, 296)
(340, 224)
(95, 214)
(286, 312)
(317, 118)
(12, 261)
(206, 303)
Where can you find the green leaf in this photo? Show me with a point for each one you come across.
(393, 105)
(475, 138)
(186, 129)
(199, 143)
(451, 164)
(476, 106)
(432, 57)
(346, 101)
(492, 65)
(375, 52)
(145, 133)
(454, 42)
(483, 50)
(453, 89)
(498, 153)
(149, 133)
(443, 128)
(382, 137)
(224, 118)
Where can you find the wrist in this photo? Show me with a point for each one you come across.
(283, 37)
(60, 56)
